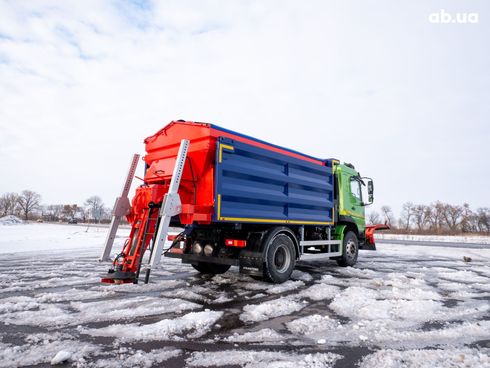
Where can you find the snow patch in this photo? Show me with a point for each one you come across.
(262, 359)
(264, 335)
(61, 356)
(45, 352)
(300, 275)
(10, 220)
(195, 324)
(311, 324)
(320, 292)
(447, 358)
(285, 286)
(50, 315)
(129, 358)
(270, 309)
(478, 239)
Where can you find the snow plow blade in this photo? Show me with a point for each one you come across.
(369, 233)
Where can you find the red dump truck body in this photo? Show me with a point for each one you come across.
(197, 187)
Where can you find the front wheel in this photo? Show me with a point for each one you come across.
(211, 268)
(350, 250)
(280, 259)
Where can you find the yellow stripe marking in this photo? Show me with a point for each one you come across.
(224, 146)
(347, 212)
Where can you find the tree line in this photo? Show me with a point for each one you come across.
(27, 205)
(435, 218)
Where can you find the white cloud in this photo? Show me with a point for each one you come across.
(83, 83)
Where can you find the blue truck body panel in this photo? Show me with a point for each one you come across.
(257, 185)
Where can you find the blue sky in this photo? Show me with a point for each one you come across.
(369, 82)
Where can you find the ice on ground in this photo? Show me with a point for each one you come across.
(300, 275)
(478, 239)
(398, 286)
(398, 251)
(462, 276)
(320, 292)
(32, 354)
(385, 333)
(61, 356)
(73, 295)
(10, 220)
(162, 285)
(52, 315)
(400, 297)
(129, 358)
(262, 359)
(264, 335)
(194, 324)
(270, 309)
(285, 286)
(447, 358)
(311, 324)
(357, 272)
(18, 303)
(362, 303)
(359, 303)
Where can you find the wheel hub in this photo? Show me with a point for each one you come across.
(282, 259)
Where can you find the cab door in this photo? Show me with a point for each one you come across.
(355, 205)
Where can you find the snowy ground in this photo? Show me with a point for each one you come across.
(472, 239)
(402, 306)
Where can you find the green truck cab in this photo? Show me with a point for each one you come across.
(350, 217)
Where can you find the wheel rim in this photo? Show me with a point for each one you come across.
(282, 258)
(350, 249)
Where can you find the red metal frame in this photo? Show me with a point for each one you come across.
(369, 231)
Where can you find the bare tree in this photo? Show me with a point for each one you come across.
(420, 216)
(28, 201)
(435, 215)
(407, 214)
(373, 217)
(452, 215)
(388, 215)
(483, 222)
(69, 210)
(468, 217)
(96, 207)
(9, 203)
(54, 212)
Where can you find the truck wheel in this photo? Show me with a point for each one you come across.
(350, 250)
(211, 268)
(280, 259)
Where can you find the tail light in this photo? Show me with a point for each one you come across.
(236, 243)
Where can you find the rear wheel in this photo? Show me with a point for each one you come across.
(280, 259)
(211, 268)
(350, 250)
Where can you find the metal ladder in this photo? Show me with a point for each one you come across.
(171, 206)
(120, 209)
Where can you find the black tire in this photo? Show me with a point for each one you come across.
(350, 250)
(211, 268)
(280, 259)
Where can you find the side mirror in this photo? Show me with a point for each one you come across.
(370, 186)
